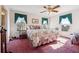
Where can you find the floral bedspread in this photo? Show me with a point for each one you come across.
(41, 36)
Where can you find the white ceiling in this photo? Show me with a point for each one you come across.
(36, 9)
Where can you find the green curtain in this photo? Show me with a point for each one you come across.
(64, 16)
(20, 15)
(44, 19)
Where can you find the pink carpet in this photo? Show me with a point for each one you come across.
(24, 46)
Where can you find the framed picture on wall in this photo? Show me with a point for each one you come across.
(35, 21)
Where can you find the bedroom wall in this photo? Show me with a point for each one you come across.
(53, 21)
(74, 27)
(12, 23)
(29, 20)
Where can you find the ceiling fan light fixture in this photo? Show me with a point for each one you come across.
(50, 9)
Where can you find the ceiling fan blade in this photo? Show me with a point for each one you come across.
(56, 7)
(54, 11)
(42, 11)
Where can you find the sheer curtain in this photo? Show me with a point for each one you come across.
(21, 24)
(65, 21)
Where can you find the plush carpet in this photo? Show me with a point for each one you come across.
(63, 45)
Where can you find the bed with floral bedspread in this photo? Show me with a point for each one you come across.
(41, 36)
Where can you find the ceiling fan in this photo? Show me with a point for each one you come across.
(50, 8)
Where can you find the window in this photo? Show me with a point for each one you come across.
(65, 21)
(17, 15)
(45, 21)
(21, 24)
(20, 20)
